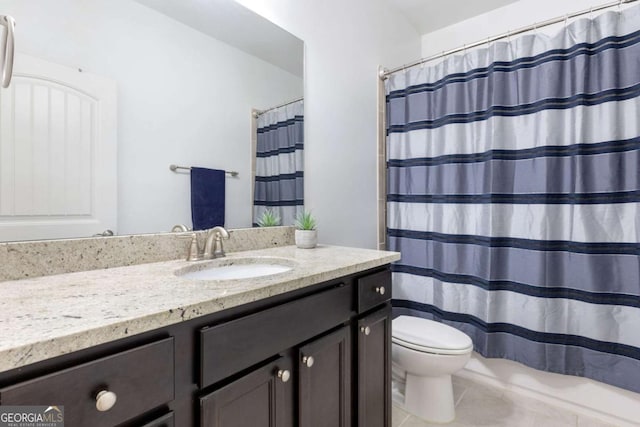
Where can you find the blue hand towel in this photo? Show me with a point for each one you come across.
(207, 197)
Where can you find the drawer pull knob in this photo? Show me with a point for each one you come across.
(365, 330)
(307, 361)
(380, 290)
(284, 375)
(105, 400)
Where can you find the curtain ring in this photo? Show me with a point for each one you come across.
(591, 13)
(566, 19)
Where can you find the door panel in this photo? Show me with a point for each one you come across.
(374, 369)
(57, 152)
(261, 398)
(325, 381)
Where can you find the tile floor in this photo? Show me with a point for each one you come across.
(477, 405)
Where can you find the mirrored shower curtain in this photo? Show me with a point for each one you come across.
(513, 191)
(279, 181)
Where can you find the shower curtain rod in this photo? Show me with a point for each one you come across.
(384, 73)
(258, 113)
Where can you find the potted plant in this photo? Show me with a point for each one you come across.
(306, 233)
(268, 219)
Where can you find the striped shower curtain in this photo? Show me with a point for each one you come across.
(513, 191)
(279, 163)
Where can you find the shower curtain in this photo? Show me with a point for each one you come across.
(279, 163)
(513, 190)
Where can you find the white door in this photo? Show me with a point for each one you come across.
(58, 147)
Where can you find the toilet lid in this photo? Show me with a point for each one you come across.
(426, 335)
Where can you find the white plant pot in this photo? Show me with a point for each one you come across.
(306, 239)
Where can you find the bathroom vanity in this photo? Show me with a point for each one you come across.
(303, 348)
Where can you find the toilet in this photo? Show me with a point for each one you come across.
(425, 354)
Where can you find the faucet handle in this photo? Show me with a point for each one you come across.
(194, 249)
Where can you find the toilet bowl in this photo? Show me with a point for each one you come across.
(427, 353)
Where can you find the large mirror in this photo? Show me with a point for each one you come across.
(107, 94)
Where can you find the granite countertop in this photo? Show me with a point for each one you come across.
(50, 316)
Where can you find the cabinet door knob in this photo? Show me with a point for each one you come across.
(307, 361)
(380, 290)
(365, 330)
(284, 375)
(105, 400)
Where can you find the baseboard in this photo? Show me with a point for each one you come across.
(581, 396)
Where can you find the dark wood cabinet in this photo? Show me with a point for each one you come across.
(262, 398)
(139, 380)
(318, 356)
(268, 396)
(325, 381)
(251, 339)
(374, 369)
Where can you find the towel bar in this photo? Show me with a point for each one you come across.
(176, 167)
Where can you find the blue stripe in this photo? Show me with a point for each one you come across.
(589, 49)
(534, 245)
(589, 272)
(518, 110)
(522, 288)
(527, 199)
(278, 203)
(289, 122)
(541, 337)
(528, 153)
(281, 177)
(285, 150)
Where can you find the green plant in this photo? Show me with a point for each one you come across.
(305, 221)
(268, 219)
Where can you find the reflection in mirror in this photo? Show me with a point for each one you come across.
(279, 174)
(107, 94)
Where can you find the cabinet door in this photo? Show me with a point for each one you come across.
(325, 381)
(263, 398)
(374, 369)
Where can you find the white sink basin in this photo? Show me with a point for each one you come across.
(236, 268)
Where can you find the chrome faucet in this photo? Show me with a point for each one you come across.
(179, 228)
(213, 245)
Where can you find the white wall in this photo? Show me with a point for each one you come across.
(612, 404)
(345, 42)
(499, 21)
(201, 117)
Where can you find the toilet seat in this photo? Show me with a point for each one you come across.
(431, 350)
(428, 336)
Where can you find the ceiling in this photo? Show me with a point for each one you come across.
(221, 19)
(430, 15)
(237, 26)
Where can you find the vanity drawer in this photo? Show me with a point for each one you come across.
(236, 345)
(373, 290)
(141, 378)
